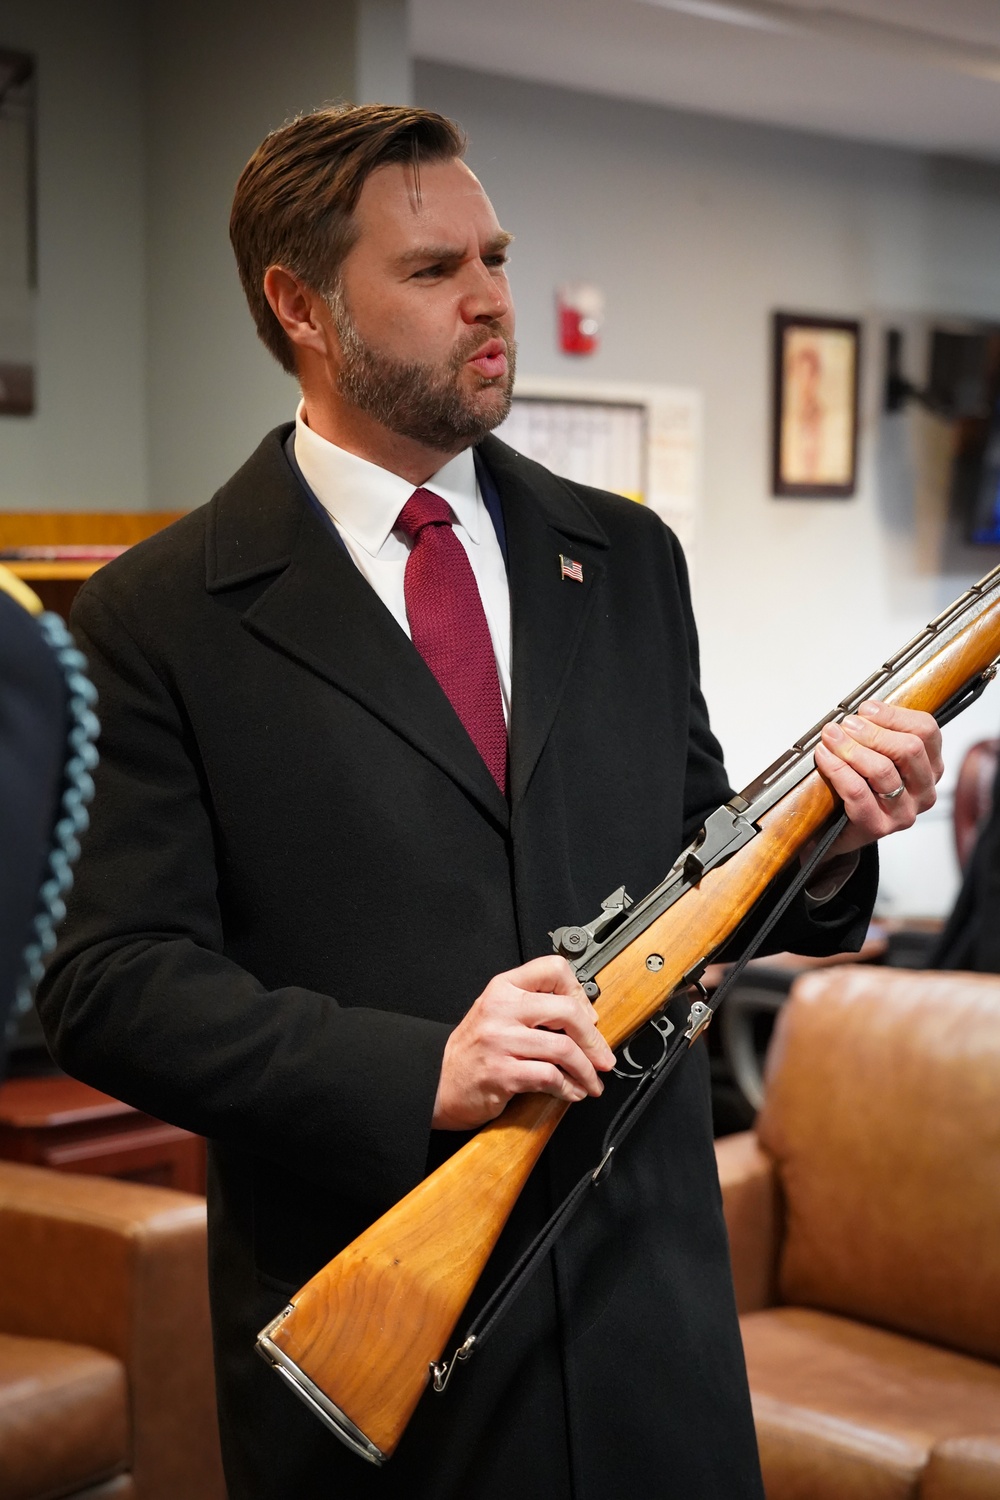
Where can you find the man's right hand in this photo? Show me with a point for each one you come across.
(532, 1031)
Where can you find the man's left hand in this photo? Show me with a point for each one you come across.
(884, 764)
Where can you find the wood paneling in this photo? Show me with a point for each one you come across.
(56, 583)
(48, 528)
(61, 1123)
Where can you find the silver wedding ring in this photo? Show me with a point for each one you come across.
(897, 792)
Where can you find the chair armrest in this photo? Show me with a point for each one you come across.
(121, 1267)
(752, 1208)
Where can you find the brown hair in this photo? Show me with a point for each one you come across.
(296, 196)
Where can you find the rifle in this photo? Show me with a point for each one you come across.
(361, 1340)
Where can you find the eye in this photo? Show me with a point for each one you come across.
(428, 273)
(498, 261)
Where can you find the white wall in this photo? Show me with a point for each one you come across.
(697, 229)
(85, 446)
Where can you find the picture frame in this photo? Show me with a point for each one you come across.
(815, 408)
(19, 240)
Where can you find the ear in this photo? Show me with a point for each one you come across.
(301, 311)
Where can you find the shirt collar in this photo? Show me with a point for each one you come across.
(365, 500)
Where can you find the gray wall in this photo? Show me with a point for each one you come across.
(697, 229)
(220, 77)
(152, 386)
(85, 447)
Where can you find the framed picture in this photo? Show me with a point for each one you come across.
(815, 444)
(18, 247)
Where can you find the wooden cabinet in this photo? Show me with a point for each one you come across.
(56, 581)
(60, 1123)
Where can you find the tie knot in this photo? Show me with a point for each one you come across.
(423, 508)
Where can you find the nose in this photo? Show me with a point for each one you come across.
(487, 295)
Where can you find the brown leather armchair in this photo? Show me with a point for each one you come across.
(864, 1220)
(106, 1386)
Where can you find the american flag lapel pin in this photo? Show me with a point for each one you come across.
(569, 568)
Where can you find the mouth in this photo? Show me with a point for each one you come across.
(491, 360)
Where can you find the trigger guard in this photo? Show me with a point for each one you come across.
(664, 1028)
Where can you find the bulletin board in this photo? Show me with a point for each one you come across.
(641, 441)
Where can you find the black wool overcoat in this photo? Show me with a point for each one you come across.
(298, 877)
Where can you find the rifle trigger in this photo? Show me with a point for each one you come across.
(664, 1027)
(442, 1370)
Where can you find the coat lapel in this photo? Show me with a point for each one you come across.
(320, 611)
(544, 519)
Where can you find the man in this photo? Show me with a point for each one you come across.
(313, 918)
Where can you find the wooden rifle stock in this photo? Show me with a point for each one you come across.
(358, 1341)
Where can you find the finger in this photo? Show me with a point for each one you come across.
(546, 1078)
(908, 721)
(869, 817)
(907, 748)
(550, 975)
(858, 740)
(881, 773)
(550, 995)
(904, 751)
(576, 1019)
(539, 1045)
(868, 814)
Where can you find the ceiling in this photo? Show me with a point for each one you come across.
(917, 73)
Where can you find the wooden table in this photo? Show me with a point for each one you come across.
(60, 1123)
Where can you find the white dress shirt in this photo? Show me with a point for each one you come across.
(364, 502)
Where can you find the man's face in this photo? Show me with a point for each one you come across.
(423, 311)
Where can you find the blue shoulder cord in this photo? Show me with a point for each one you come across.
(72, 817)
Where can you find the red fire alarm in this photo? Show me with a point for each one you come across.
(580, 307)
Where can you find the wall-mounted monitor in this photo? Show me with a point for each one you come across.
(978, 473)
(975, 403)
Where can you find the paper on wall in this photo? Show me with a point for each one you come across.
(643, 441)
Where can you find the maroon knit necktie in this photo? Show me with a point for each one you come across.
(448, 626)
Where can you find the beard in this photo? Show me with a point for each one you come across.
(424, 402)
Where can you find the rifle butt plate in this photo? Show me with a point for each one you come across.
(319, 1404)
